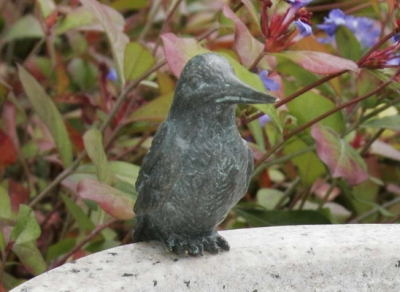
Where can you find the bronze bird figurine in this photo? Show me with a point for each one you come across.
(198, 166)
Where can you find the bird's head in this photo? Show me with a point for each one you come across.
(209, 80)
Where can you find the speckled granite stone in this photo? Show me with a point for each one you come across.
(291, 258)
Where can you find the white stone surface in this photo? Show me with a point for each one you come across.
(292, 258)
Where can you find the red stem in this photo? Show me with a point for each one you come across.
(323, 116)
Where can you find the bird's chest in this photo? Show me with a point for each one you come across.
(216, 154)
(216, 168)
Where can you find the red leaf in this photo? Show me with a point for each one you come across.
(18, 195)
(9, 117)
(111, 200)
(180, 50)
(318, 62)
(338, 155)
(247, 47)
(7, 150)
(75, 137)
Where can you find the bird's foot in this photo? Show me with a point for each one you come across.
(195, 246)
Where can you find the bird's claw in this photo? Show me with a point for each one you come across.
(196, 246)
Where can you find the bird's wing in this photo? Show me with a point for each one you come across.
(159, 172)
(250, 164)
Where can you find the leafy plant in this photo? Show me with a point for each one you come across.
(85, 84)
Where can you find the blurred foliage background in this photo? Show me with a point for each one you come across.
(85, 84)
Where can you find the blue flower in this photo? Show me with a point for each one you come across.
(297, 4)
(112, 75)
(335, 18)
(269, 84)
(395, 61)
(263, 120)
(363, 28)
(396, 37)
(295, 7)
(304, 28)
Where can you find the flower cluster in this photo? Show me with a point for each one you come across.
(278, 29)
(387, 57)
(366, 30)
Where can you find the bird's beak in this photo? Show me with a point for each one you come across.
(238, 92)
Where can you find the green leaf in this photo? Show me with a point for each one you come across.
(30, 257)
(309, 165)
(137, 60)
(83, 73)
(48, 113)
(341, 159)
(117, 39)
(10, 281)
(47, 7)
(129, 4)
(2, 242)
(19, 29)
(386, 75)
(257, 133)
(5, 206)
(269, 198)
(155, 110)
(310, 105)
(75, 19)
(81, 218)
(367, 82)
(60, 248)
(358, 195)
(271, 111)
(101, 245)
(261, 218)
(114, 202)
(389, 122)
(125, 171)
(347, 43)
(26, 228)
(93, 141)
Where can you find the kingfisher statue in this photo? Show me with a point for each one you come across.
(198, 166)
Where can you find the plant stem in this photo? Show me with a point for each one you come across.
(298, 93)
(323, 116)
(171, 11)
(374, 210)
(326, 78)
(102, 127)
(287, 193)
(369, 143)
(58, 179)
(91, 235)
(152, 13)
(308, 87)
(328, 192)
(375, 47)
(282, 159)
(260, 56)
